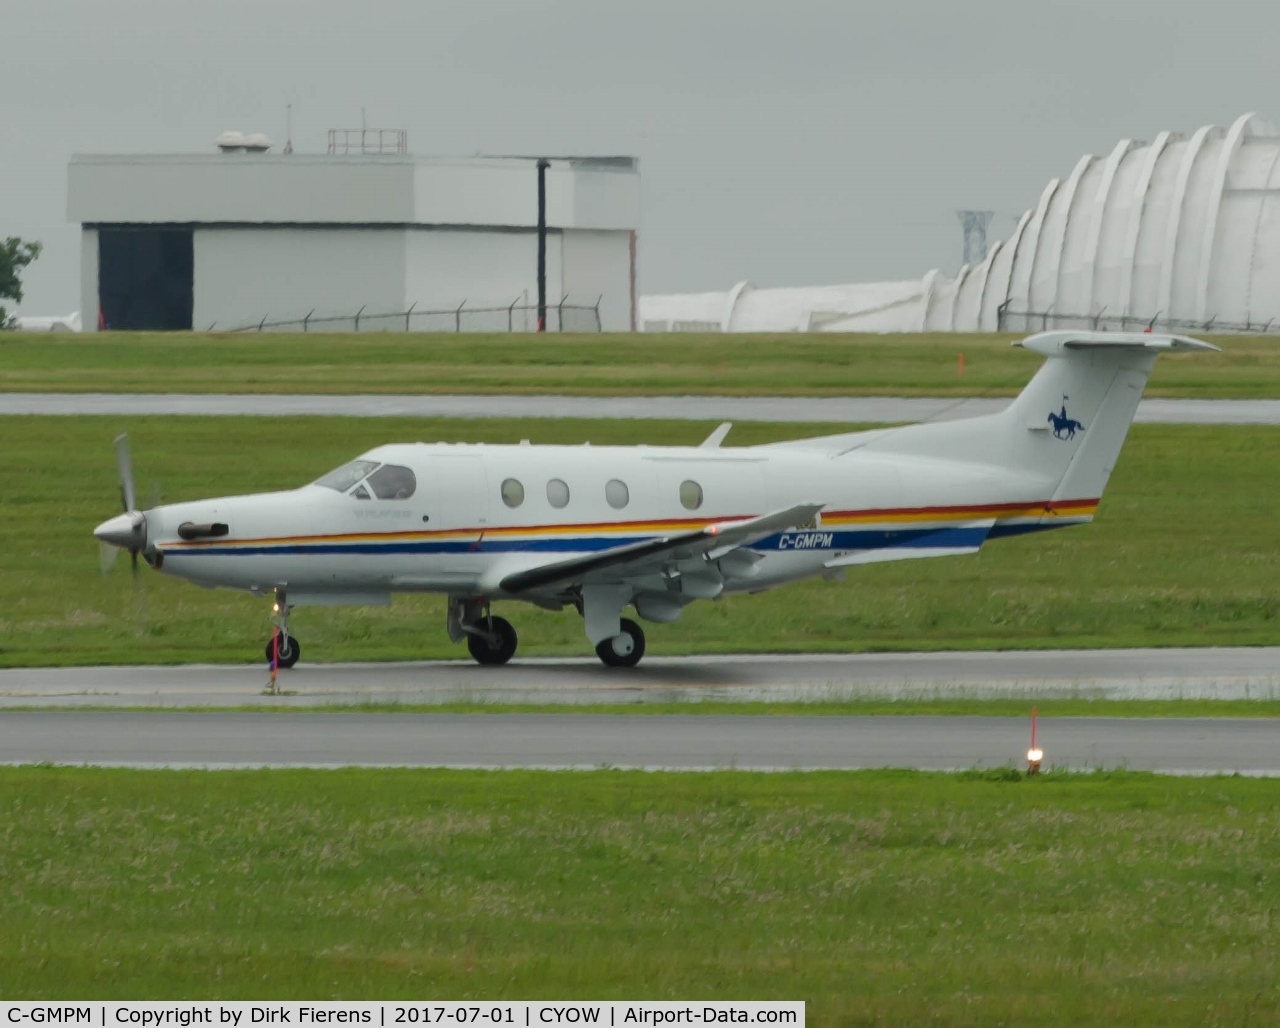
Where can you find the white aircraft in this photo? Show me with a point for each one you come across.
(48, 323)
(600, 528)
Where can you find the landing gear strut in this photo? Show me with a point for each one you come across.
(625, 649)
(282, 648)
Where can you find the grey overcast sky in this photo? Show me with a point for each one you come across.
(791, 143)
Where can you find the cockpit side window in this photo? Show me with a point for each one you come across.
(393, 482)
(360, 493)
(343, 478)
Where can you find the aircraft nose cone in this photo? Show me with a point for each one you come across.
(128, 531)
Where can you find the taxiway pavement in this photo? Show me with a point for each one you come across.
(848, 410)
(676, 742)
(1210, 673)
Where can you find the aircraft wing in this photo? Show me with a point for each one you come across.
(650, 555)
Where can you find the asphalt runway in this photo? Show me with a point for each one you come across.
(849, 410)
(675, 742)
(1209, 673)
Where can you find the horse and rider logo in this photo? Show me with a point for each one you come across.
(1064, 427)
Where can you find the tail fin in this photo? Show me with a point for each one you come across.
(1075, 413)
(1068, 424)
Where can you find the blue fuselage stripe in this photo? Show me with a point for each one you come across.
(816, 539)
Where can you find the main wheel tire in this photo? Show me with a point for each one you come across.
(289, 650)
(625, 649)
(493, 655)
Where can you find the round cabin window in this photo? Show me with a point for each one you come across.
(558, 493)
(512, 492)
(616, 492)
(690, 495)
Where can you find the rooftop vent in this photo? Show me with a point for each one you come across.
(243, 142)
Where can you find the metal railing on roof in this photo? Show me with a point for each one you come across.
(367, 141)
(1012, 320)
(517, 316)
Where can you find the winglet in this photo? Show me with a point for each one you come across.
(713, 441)
(738, 533)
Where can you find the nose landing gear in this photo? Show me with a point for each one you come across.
(282, 649)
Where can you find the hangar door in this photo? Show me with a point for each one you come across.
(145, 277)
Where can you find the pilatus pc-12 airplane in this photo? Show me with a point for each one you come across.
(601, 528)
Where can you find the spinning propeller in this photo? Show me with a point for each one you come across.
(127, 531)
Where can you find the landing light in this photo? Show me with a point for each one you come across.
(275, 607)
(1035, 754)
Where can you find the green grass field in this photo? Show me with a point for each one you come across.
(1184, 552)
(879, 897)
(802, 365)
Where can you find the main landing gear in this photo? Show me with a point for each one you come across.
(493, 642)
(491, 639)
(625, 649)
(282, 648)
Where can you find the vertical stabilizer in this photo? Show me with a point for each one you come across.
(1076, 412)
(1067, 426)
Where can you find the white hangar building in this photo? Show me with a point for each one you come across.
(227, 240)
(1182, 232)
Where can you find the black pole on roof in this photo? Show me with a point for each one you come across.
(543, 164)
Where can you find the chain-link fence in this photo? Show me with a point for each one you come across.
(1011, 320)
(517, 316)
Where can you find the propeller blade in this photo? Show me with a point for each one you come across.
(107, 555)
(124, 465)
(133, 564)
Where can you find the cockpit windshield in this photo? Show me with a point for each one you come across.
(345, 477)
(392, 482)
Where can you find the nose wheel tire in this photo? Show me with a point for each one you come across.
(625, 649)
(289, 650)
(498, 650)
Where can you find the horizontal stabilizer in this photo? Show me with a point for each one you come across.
(1052, 343)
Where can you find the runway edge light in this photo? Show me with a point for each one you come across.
(1035, 754)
